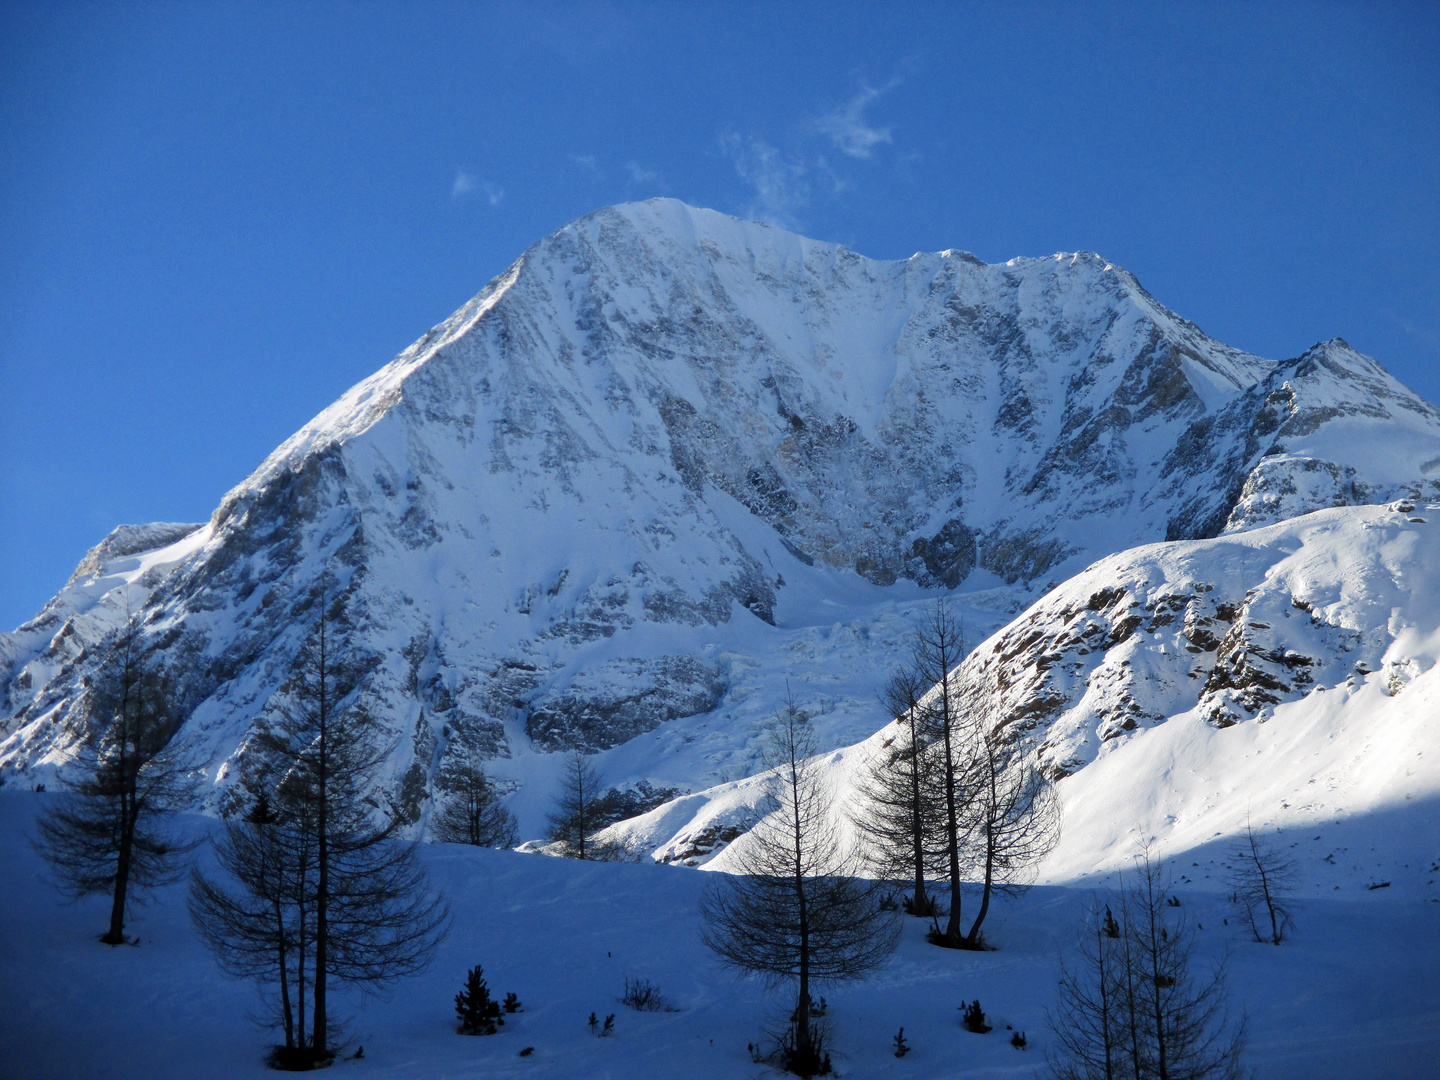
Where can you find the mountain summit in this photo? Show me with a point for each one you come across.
(667, 448)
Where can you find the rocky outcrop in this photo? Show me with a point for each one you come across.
(1228, 628)
(616, 700)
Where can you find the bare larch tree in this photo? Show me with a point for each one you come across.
(1014, 820)
(577, 815)
(112, 828)
(264, 930)
(1087, 1019)
(900, 812)
(796, 911)
(1263, 880)
(362, 910)
(472, 812)
(940, 646)
(1130, 1006)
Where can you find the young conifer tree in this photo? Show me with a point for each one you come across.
(112, 828)
(796, 911)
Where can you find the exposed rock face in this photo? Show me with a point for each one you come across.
(130, 540)
(555, 515)
(1229, 627)
(594, 712)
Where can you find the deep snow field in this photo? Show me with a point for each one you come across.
(1353, 994)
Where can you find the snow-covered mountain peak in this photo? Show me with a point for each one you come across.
(669, 456)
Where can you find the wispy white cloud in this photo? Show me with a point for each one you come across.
(466, 185)
(1425, 336)
(846, 126)
(781, 183)
(586, 162)
(639, 174)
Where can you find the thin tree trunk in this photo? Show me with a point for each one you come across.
(920, 905)
(582, 823)
(1162, 1070)
(285, 1010)
(322, 852)
(803, 1048)
(974, 937)
(1132, 1010)
(127, 780)
(952, 927)
(300, 974)
(1103, 954)
(1265, 888)
(116, 934)
(942, 653)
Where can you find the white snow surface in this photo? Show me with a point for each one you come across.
(564, 935)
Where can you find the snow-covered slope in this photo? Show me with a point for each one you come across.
(1285, 674)
(670, 459)
(565, 935)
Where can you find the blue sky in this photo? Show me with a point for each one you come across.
(216, 217)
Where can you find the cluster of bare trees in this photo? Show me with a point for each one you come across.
(948, 796)
(317, 891)
(796, 910)
(1130, 1007)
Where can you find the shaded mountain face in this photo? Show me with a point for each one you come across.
(576, 512)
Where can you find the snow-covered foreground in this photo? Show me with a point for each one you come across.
(1354, 994)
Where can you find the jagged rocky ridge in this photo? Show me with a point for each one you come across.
(654, 452)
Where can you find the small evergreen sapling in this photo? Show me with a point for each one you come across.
(512, 1003)
(1018, 1040)
(477, 1012)
(901, 1046)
